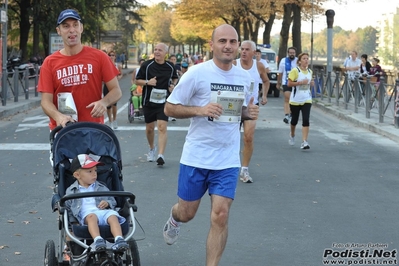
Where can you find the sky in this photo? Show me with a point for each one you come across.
(348, 16)
(353, 15)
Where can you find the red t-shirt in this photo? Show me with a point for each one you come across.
(80, 74)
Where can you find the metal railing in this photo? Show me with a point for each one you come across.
(361, 94)
(20, 83)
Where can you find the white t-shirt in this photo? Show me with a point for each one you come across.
(301, 93)
(88, 204)
(353, 63)
(210, 144)
(281, 69)
(264, 62)
(253, 71)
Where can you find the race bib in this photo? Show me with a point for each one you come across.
(158, 95)
(303, 87)
(232, 107)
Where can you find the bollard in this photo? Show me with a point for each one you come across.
(36, 79)
(368, 92)
(336, 89)
(26, 78)
(356, 87)
(381, 97)
(396, 118)
(328, 84)
(15, 82)
(4, 90)
(321, 82)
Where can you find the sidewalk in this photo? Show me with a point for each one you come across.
(23, 105)
(387, 128)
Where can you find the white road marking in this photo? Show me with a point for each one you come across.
(46, 146)
(43, 122)
(24, 146)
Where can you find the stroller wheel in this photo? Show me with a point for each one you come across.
(49, 254)
(132, 255)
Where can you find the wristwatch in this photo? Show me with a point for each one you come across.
(146, 81)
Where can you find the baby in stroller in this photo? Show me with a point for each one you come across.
(96, 218)
(94, 211)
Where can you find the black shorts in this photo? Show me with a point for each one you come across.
(154, 113)
(105, 92)
(286, 88)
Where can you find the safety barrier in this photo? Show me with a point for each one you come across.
(362, 94)
(19, 83)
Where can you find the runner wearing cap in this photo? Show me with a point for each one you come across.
(79, 71)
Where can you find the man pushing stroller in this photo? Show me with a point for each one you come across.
(94, 211)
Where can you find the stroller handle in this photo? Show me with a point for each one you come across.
(55, 131)
(129, 195)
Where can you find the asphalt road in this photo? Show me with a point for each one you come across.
(338, 196)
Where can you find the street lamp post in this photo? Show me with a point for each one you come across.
(4, 77)
(311, 41)
(127, 40)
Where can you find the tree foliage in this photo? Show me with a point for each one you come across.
(43, 14)
(191, 22)
(389, 51)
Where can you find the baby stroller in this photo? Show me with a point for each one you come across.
(75, 241)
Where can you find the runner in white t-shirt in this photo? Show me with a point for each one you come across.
(259, 76)
(212, 94)
(300, 80)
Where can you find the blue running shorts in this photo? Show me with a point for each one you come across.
(194, 182)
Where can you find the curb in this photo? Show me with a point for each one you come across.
(18, 107)
(371, 124)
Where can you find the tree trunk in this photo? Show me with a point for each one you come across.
(268, 29)
(236, 24)
(24, 27)
(285, 31)
(46, 36)
(246, 30)
(296, 28)
(36, 28)
(255, 32)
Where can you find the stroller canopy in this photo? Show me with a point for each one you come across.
(85, 137)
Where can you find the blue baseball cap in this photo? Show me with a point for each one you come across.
(68, 13)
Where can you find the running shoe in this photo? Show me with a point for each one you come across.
(244, 177)
(291, 140)
(160, 160)
(151, 155)
(100, 244)
(120, 245)
(114, 125)
(305, 145)
(170, 232)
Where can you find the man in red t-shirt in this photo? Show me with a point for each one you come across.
(79, 70)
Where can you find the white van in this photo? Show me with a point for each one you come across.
(271, 57)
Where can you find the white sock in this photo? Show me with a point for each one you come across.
(243, 168)
(117, 237)
(174, 222)
(97, 238)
